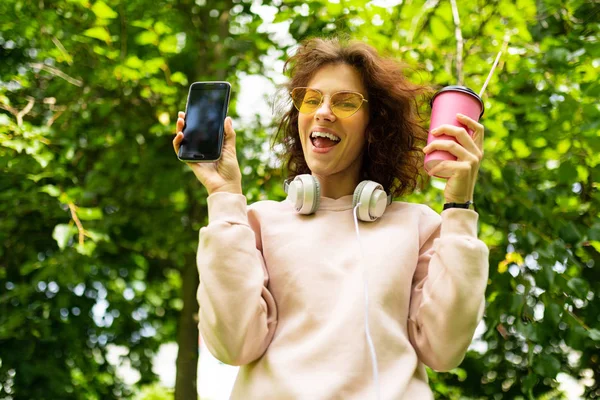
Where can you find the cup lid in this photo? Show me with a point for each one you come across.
(463, 89)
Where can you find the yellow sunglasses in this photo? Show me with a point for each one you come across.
(343, 104)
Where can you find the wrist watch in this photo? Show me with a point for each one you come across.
(467, 205)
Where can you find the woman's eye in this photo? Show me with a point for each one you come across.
(311, 101)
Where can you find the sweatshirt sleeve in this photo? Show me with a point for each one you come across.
(448, 288)
(237, 315)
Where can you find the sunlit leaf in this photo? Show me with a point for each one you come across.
(89, 214)
(439, 28)
(147, 37)
(51, 190)
(103, 11)
(98, 32)
(595, 334)
(520, 148)
(168, 44)
(62, 233)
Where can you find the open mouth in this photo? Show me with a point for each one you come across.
(323, 140)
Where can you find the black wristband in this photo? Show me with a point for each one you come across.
(466, 205)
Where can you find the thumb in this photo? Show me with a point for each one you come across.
(229, 135)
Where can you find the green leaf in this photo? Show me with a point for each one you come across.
(563, 146)
(43, 158)
(147, 37)
(553, 313)
(179, 77)
(594, 232)
(530, 330)
(439, 28)
(594, 334)
(567, 173)
(147, 23)
(545, 277)
(97, 236)
(51, 190)
(162, 28)
(37, 177)
(546, 365)
(103, 11)
(62, 234)
(579, 286)
(98, 32)
(87, 249)
(168, 44)
(569, 233)
(520, 148)
(134, 62)
(529, 381)
(89, 214)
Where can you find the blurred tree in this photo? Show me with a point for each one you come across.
(100, 221)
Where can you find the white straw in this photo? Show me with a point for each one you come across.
(490, 74)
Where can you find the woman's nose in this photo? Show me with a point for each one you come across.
(324, 111)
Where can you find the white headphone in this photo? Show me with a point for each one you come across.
(304, 191)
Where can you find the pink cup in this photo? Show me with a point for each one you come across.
(445, 104)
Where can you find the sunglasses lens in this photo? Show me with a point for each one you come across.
(306, 100)
(345, 104)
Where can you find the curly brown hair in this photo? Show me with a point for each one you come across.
(395, 136)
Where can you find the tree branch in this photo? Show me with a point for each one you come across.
(459, 43)
(62, 49)
(80, 229)
(19, 114)
(57, 72)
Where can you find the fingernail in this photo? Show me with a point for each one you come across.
(460, 115)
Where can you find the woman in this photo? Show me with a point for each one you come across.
(281, 291)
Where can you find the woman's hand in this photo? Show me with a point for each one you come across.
(468, 151)
(220, 176)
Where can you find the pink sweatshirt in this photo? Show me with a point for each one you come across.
(281, 294)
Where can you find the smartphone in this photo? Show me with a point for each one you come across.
(203, 131)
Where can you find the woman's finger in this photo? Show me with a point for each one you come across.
(229, 136)
(177, 142)
(178, 134)
(476, 127)
(450, 168)
(461, 135)
(453, 148)
(180, 125)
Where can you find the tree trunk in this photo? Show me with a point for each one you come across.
(187, 335)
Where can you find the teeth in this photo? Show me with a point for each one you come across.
(325, 135)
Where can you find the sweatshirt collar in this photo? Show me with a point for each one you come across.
(341, 204)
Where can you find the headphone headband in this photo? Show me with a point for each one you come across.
(304, 191)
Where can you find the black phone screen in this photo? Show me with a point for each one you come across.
(204, 118)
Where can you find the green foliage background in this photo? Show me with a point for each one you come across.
(96, 213)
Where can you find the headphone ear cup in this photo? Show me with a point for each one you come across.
(372, 199)
(317, 197)
(357, 192)
(308, 193)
